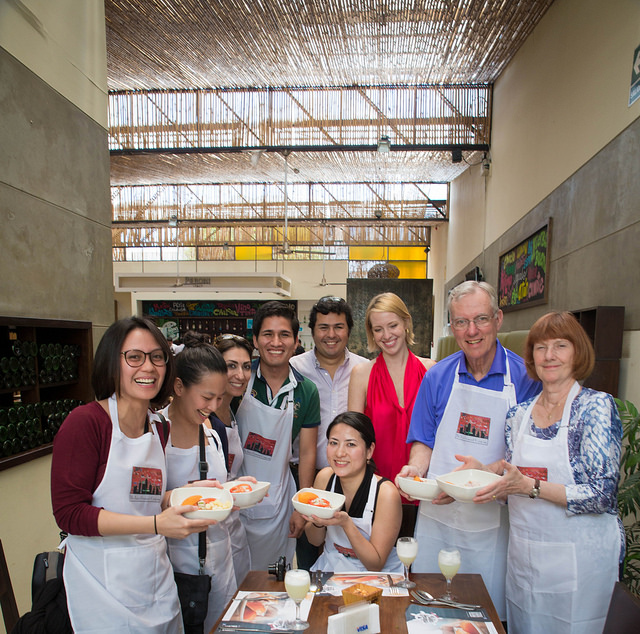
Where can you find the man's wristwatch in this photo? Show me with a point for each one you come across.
(535, 492)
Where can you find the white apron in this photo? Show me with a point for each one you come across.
(338, 554)
(472, 424)
(265, 433)
(562, 568)
(239, 545)
(182, 467)
(124, 583)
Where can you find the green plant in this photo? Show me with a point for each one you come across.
(629, 491)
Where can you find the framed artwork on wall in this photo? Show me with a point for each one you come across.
(523, 271)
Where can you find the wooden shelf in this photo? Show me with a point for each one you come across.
(605, 327)
(45, 371)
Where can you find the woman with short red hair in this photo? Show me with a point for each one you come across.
(561, 477)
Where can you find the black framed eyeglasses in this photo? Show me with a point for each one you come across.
(136, 358)
(481, 321)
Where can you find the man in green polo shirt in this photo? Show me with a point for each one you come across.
(280, 408)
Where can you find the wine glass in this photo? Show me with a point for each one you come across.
(449, 563)
(407, 549)
(297, 583)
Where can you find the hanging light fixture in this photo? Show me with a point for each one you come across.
(384, 144)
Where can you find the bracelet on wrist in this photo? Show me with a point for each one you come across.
(318, 525)
(155, 524)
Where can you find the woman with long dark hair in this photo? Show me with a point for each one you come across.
(108, 490)
(363, 535)
(236, 352)
(199, 387)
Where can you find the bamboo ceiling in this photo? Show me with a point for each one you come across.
(214, 93)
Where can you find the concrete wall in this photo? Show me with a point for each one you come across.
(55, 255)
(564, 144)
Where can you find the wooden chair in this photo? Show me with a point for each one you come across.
(7, 598)
(623, 616)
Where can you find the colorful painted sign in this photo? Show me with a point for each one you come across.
(172, 309)
(523, 272)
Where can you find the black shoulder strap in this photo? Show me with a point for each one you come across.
(165, 429)
(204, 472)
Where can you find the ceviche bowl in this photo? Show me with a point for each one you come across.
(317, 502)
(213, 503)
(419, 488)
(246, 494)
(463, 485)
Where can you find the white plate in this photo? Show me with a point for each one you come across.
(181, 494)
(463, 485)
(336, 502)
(250, 498)
(425, 489)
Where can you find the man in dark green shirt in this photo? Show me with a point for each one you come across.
(281, 409)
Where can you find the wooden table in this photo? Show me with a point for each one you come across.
(466, 588)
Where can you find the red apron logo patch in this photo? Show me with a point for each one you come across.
(473, 428)
(146, 482)
(534, 472)
(260, 445)
(349, 553)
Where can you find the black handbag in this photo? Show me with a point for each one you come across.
(49, 611)
(193, 590)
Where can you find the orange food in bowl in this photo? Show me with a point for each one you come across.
(417, 478)
(306, 497)
(318, 501)
(240, 488)
(192, 500)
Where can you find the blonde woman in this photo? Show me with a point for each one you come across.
(385, 389)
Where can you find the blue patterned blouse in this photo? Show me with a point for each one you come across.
(595, 438)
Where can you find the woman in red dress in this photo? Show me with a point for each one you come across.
(385, 389)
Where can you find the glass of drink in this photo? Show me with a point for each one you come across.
(297, 583)
(449, 562)
(407, 549)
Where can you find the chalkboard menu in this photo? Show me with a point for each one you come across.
(524, 270)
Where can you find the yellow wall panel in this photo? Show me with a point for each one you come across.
(412, 270)
(407, 253)
(253, 253)
(367, 253)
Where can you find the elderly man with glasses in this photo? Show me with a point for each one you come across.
(460, 410)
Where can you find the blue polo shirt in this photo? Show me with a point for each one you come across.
(435, 389)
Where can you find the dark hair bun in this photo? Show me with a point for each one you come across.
(194, 339)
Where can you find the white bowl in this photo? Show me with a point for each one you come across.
(221, 495)
(336, 502)
(423, 489)
(463, 485)
(250, 498)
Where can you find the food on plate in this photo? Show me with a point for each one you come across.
(307, 497)
(192, 500)
(205, 504)
(361, 592)
(240, 488)
(318, 501)
(208, 504)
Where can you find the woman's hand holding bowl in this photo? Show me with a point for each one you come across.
(510, 483)
(172, 523)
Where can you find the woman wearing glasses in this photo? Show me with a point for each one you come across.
(561, 477)
(236, 352)
(199, 387)
(108, 490)
(385, 389)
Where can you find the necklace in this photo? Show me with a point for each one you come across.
(549, 412)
